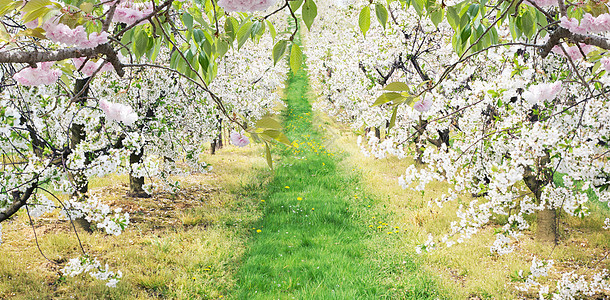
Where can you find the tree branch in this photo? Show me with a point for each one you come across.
(29, 57)
(18, 202)
(560, 33)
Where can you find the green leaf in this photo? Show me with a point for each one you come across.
(387, 97)
(141, 43)
(453, 17)
(294, 5)
(310, 11)
(278, 50)
(231, 28)
(397, 87)
(528, 25)
(382, 14)
(152, 55)
(198, 36)
(277, 135)
(243, 34)
(418, 5)
(393, 118)
(595, 8)
(221, 48)
(33, 5)
(35, 14)
(86, 7)
(268, 155)
(364, 20)
(271, 30)
(296, 58)
(204, 62)
(437, 16)
(268, 123)
(187, 19)
(257, 28)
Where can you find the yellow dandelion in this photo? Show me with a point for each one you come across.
(299, 198)
(370, 225)
(313, 208)
(262, 200)
(389, 232)
(258, 230)
(287, 187)
(396, 231)
(379, 227)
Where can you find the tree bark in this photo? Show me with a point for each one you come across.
(136, 183)
(547, 218)
(547, 226)
(77, 135)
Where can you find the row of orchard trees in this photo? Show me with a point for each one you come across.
(91, 88)
(497, 97)
(506, 100)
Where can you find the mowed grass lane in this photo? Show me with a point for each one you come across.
(312, 241)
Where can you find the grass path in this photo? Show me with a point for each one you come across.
(314, 241)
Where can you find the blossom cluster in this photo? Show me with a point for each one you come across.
(574, 52)
(588, 24)
(61, 33)
(245, 5)
(86, 264)
(541, 92)
(239, 139)
(42, 74)
(542, 3)
(99, 214)
(89, 67)
(570, 286)
(129, 12)
(118, 112)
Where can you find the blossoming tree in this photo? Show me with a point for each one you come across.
(505, 100)
(118, 86)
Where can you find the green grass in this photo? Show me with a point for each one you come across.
(314, 241)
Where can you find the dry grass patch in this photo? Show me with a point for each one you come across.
(182, 246)
(468, 270)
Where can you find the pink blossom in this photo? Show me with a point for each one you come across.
(127, 12)
(574, 51)
(61, 33)
(118, 112)
(542, 3)
(245, 5)
(542, 92)
(43, 74)
(588, 24)
(239, 139)
(606, 63)
(423, 105)
(95, 39)
(90, 66)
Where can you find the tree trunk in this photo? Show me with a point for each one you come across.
(213, 147)
(547, 218)
(77, 135)
(136, 183)
(547, 226)
(377, 133)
